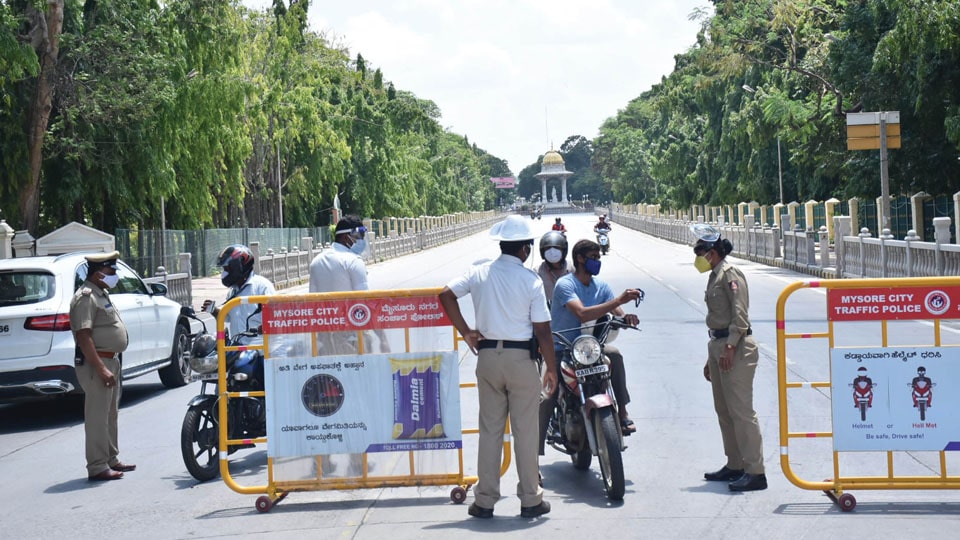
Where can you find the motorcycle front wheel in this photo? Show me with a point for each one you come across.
(198, 443)
(607, 428)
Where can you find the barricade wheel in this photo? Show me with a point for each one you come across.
(458, 495)
(847, 502)
(264, 504)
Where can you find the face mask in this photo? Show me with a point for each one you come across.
(359, 246)
(592, 266)
(553, 255)
(110, 281)
(702, 264)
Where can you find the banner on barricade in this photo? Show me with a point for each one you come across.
(353, 315)
(893, 303)
(895, 398)
(367, 403)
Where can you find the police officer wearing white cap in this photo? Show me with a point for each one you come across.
(510, 308)
(100, 337)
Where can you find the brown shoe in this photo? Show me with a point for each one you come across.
(124, 467)
(108, 474)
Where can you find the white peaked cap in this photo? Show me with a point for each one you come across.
(512, 229)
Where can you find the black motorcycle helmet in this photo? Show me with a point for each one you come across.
(237, 263)
(553, 239)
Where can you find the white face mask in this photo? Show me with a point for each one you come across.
(553, 255)
(111, 280)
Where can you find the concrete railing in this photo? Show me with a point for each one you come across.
(811, 252)
(179, 285)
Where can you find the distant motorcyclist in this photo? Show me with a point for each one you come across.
(237, 262)
(602, 225)
(558, 226)
(863, 388)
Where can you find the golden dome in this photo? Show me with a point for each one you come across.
(552, 158)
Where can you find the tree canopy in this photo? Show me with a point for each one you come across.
(230, 117)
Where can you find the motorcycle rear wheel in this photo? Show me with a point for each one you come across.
(198, 443)
(607, 428)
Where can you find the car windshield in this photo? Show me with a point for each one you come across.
(25, 287)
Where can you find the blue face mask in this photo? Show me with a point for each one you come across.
(592, 266)
(359, 246)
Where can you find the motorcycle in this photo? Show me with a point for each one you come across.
(863, 395)
(246, 416)
(922, 392)
(603, 238)
(586, 418)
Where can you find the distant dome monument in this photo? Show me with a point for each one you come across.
(552, 168)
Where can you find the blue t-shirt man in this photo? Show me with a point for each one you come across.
(569, 288)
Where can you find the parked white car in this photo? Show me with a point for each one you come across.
(37, 346)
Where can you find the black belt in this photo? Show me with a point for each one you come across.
(723, 332)
(494, 344)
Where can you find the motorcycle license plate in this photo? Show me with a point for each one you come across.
(602, 368)
(204, 377)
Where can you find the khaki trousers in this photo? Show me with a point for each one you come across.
(733, 401)
(508, 382)
(100, 406)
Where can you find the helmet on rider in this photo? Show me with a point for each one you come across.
(921, 371)
(237, 264)
(557, 220)
(555, 240)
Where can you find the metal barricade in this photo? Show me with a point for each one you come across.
(310, 342)
(875, 331)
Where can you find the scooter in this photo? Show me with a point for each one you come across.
(603, 239)
(586, 419)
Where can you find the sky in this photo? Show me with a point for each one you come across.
(517, 77)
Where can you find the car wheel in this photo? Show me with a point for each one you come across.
(177, 373)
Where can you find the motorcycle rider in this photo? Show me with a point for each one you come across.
(557, 226)
(922, 381)
(866, 383)
(553, 250)
(237, 262)
(580, 298)
(603, 224)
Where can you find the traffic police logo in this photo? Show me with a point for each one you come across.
(359, 314)
(937, 302)
(322, 395)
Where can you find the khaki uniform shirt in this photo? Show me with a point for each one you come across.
(728, 302)
(92, 309)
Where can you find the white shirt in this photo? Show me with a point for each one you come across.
(507, 298)
(256, 285)
(338, 269)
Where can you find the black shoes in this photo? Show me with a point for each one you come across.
(725, 474)
(534, 511)
(749, 482)
(478, 511)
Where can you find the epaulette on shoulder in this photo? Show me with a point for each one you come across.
(86, 291)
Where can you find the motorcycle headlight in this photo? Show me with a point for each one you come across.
(204, 364)
(587, 350)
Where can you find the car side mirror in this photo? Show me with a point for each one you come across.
(158, 289)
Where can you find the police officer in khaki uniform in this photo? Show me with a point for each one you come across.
(101, 337)
(732, 356)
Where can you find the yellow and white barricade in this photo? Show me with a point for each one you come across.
(891, 379)
(361, 391)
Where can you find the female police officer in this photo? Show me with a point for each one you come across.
(732, 356)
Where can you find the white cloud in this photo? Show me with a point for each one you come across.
(503, 71)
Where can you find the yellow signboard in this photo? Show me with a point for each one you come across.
(872, 130)
(872, 143)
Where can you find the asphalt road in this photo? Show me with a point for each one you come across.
(46, 493)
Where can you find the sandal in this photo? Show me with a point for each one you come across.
(627, 426)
